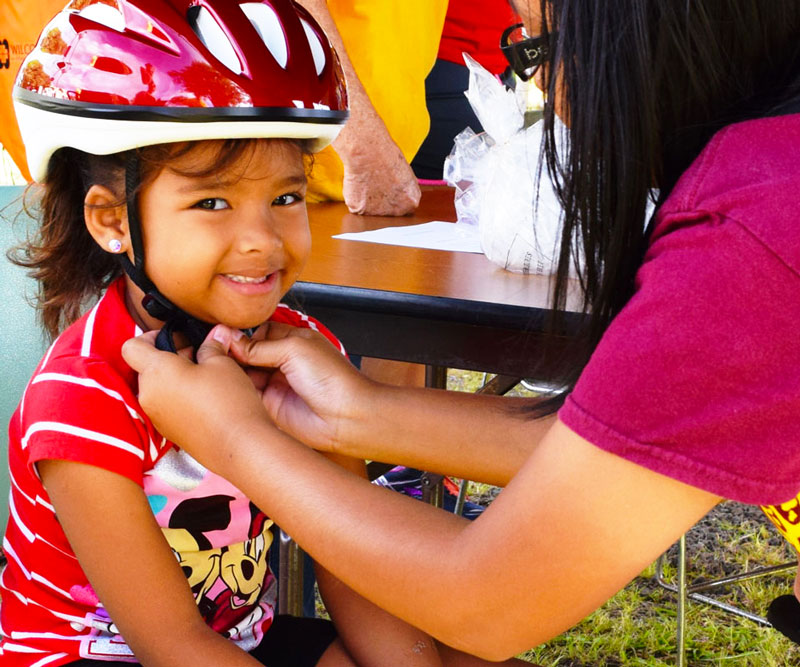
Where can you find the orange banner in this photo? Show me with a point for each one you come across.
(21, 21)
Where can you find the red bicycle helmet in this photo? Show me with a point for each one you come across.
(112, 75)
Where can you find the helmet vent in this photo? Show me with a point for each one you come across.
(213, 37)
(268, 26)
(317, 51)
(105, 15)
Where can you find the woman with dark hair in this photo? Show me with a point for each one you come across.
(685, 389)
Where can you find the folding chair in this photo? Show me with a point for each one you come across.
(696, 592)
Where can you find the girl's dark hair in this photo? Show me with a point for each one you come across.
(70, 267)
(645, 84)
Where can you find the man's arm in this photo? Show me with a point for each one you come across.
(377, 178)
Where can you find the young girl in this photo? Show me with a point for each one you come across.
(120, 546)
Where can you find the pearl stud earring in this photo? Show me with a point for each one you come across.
(115, 245)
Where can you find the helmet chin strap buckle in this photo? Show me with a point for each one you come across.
(158, 306)
(177, 321)
(194, 330)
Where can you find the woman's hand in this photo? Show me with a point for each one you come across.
(313, 392)
(307, 387)
(195, 405)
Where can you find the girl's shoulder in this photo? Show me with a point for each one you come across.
(295, 318)
(83, 387)
(95, 339)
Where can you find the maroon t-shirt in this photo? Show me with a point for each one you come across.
(698, 377)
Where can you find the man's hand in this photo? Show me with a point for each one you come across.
(377, 178)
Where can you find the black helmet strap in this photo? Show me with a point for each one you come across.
(155, 303)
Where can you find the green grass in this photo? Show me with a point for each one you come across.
(638, 626)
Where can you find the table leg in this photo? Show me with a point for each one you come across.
(436, 377)
(290, 576)
(432, 487)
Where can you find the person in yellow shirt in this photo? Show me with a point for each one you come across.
(386, 49)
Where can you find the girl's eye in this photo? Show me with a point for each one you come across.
(287, 199)
(211, 204)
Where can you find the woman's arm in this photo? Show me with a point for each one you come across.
(377, 178)
(573, 526)
(111, 528)
(478, 437)
(372, 636)
(319, 398)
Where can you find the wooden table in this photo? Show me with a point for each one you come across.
(448, 309)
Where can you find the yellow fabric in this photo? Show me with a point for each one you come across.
(392, 45)
(786, 518)
(21, 21)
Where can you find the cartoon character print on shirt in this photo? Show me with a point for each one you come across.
(243, 566)
(786, 518)
(226, 581)
(103, 640)
(221, 541)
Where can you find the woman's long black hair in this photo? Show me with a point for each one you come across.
(644, 85)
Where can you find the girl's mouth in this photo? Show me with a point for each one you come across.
(251, 285)
(246, 280)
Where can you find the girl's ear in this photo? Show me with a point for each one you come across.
(106, 219)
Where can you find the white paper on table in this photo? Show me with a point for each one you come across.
(434, 235)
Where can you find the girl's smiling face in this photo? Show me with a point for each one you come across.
(225, 247)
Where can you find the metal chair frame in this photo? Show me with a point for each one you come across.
(685, 592)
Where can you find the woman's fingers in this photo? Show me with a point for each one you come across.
(140, 351)
(259, 377)
(194, 404)
(217, 343)
(312, 386)
(305, 384)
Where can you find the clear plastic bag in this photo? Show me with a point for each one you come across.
(495, 174)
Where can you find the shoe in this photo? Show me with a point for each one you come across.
(408, 481)
(784, 615)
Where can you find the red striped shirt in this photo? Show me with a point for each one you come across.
(475, 27)
(80, 405)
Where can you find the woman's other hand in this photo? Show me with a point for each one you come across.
(313, 390)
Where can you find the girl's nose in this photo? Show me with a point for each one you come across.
(256, 231)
